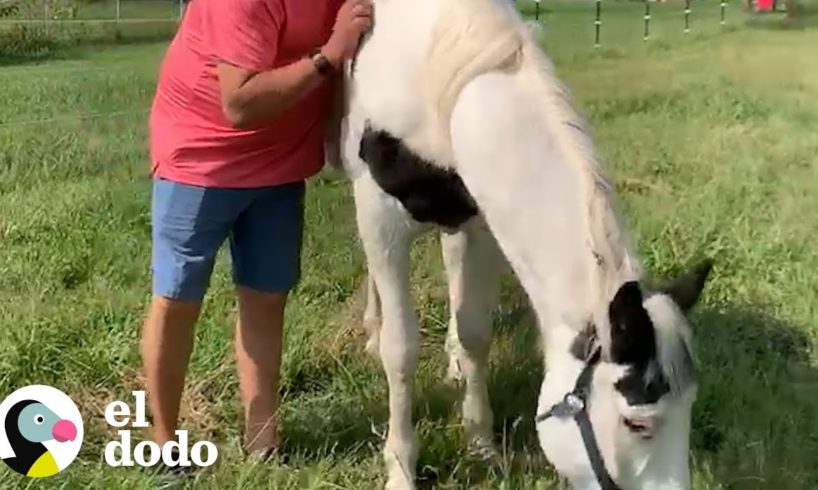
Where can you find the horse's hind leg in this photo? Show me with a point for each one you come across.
(386, 232)
(473, 270)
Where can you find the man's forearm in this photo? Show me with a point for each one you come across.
(258, 98)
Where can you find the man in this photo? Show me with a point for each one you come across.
(238, 123)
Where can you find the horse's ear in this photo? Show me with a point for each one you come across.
(686, 289)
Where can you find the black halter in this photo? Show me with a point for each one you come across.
(575, 405)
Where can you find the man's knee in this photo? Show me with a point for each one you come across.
(179, 279)
(171, 304)
(256, 298)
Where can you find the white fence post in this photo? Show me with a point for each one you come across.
(118, 10)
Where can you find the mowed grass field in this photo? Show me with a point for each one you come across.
(711, 140)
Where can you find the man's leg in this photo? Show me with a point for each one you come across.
(258, 353)
(189, 226)
(167, 340)
(266, 250)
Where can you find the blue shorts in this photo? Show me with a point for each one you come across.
(190, 224)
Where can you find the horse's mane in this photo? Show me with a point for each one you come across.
(470, 38)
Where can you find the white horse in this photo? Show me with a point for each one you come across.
(456, 121)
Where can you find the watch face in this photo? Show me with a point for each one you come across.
(321, 63)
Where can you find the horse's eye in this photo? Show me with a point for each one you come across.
(39, 419)
(642, 427)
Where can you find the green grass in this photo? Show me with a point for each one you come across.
(97, 9)
(712, 140)
(36, 32)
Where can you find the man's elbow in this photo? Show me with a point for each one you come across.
(237, 116)
(234, 101)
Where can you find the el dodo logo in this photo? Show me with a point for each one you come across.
(148, 453)
(40, 431)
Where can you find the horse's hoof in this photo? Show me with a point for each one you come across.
(483, 450)
(397, 480)
(401, 476)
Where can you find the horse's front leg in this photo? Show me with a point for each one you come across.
(473, 271)
(387, 231)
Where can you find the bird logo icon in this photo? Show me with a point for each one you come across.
(41, 429)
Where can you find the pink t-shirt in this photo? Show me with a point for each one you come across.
(191, 140)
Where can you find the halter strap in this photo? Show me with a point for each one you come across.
(575, 405)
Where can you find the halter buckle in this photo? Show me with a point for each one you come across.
(570, 406)
(573, 404)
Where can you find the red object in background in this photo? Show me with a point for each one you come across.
(765, 5)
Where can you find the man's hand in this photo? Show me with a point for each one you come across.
(353, 19)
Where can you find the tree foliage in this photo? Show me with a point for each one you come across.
(8, 9)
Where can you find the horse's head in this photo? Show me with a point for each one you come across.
(614, 413)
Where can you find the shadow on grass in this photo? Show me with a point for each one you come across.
(514, 381)
(753, 423)
(754, 420)
(333, 426)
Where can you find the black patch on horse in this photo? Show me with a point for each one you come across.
(643, 385)
(633, 344)
(429, 193)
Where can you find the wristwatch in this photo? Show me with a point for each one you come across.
(322, 64)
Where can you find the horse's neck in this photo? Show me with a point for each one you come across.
(590, 250)
(531, 167)
(569, 267)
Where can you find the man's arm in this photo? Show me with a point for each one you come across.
(249, 98)
(252, 98)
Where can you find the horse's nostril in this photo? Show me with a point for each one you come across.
(642, 427)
